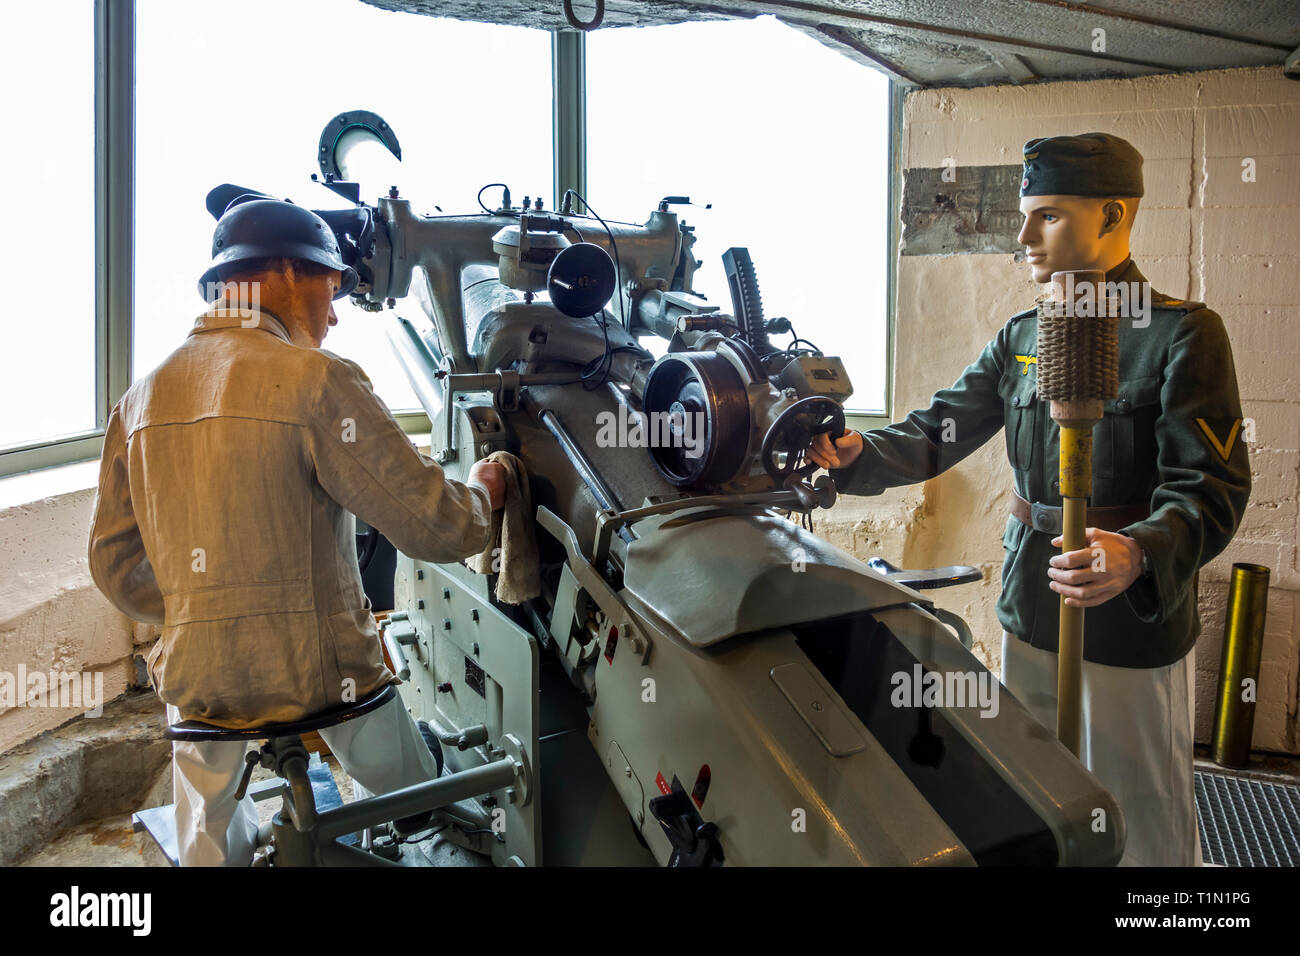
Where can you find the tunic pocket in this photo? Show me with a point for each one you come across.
(1127, 428)
(1010, 544)
(357, 653)
(1020, 410)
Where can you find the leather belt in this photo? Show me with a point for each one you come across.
(1047, 518)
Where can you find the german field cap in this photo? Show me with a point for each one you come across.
(1090, 164)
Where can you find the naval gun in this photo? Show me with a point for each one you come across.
(702, 679)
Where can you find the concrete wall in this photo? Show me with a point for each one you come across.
(52, 618)
(1202, 233)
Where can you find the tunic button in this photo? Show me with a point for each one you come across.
(1015, 401)
(1056, 485)
(1122, 406)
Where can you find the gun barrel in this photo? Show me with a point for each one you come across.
(418, 363)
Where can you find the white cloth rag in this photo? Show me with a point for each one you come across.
(511, 553)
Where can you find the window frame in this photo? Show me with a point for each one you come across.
(893, 204)
(114, 143)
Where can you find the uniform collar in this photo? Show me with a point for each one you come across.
(1126, 271)
(236, 316)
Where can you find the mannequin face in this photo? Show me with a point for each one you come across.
(1063, 233)
(311, 305)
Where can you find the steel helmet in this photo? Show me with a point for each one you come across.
(254, 228)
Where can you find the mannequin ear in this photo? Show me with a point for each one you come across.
(1112, 215)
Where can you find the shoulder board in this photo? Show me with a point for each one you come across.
(1159, 301)
(1025, 314)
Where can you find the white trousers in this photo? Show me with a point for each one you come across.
(1136, 738)
(382, 751)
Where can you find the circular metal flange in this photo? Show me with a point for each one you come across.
(703, 401)
(344, 130)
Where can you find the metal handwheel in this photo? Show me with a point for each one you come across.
(787, 442)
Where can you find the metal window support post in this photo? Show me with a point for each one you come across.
(569, 113)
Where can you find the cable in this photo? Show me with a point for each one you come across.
(618, 266)
(603, 359)
(797, 340)
(606, 359)
(484, 189)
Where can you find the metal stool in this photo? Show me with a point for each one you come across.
(299, 835)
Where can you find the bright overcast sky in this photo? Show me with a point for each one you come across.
(776, 130)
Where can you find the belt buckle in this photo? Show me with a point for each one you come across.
(1045, 518)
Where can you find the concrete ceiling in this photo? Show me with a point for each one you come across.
(964, 42)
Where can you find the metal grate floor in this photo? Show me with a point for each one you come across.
(1245, 821)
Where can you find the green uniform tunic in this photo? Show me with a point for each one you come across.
(1171, 439)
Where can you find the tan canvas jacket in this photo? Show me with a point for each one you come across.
(228, 483)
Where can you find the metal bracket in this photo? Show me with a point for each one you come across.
(597, 587)
(508, 391)
(521, 792)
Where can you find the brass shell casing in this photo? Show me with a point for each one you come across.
(1243, 640)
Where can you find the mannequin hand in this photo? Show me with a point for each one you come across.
(843, 452)
(1095, 574)
(491, 476)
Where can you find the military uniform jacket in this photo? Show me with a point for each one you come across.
(227, 488)
(1171, 439)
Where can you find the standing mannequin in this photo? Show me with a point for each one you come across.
(1170, 484)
